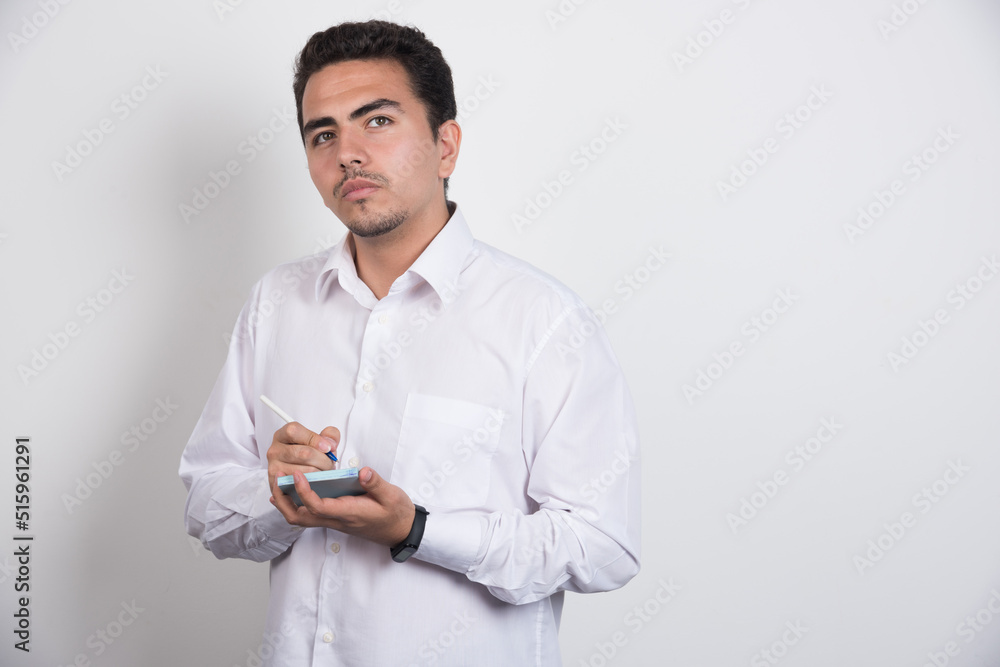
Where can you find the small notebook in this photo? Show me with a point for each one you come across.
(326, 484)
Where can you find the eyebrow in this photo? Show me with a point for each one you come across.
(328, 121)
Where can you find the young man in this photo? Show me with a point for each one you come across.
(479, 397)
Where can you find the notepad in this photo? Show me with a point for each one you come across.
(326, 484)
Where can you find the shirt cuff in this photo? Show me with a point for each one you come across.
(451, 540)
(270, 522)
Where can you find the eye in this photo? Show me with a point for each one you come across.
(379, 121)
(322, 137)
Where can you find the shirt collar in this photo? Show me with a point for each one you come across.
(439, 264)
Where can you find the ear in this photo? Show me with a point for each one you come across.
(449, 141)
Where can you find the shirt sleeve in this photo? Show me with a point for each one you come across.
(580, 441)
(228, 505)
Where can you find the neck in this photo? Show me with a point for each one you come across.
(381, 259)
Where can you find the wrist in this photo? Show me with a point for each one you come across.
(409, 544)
(403, 526)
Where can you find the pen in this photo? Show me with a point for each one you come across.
(284, 415)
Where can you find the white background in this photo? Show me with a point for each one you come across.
(888, 89)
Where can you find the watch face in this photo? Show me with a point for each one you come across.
(403, 553)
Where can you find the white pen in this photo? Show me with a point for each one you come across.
(284, 415)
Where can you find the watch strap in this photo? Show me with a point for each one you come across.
(411, 542)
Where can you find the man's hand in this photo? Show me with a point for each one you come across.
(296, 448)
(383, 515)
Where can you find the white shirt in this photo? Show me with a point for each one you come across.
(484, 388)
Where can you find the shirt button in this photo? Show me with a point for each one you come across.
(328, 637)
(368, 386)
(354, 462)
(335, 547)
(383, 318)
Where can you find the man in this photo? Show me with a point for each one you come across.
(479, 397)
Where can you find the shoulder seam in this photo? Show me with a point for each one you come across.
(548, 335)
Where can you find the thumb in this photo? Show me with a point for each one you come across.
(371, 482)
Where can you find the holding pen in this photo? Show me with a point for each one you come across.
(284, 415)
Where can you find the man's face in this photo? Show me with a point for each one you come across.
(369, 146)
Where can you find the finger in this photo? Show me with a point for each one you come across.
(299, 448)
(324, 444)
(294, 433)
(295, 515)
(331, 432)
(276, 491)
(284, 505)
(310, 499)
(298, 457)
(302, 487)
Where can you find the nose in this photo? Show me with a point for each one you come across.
(351, 149)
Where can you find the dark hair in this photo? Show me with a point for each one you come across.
(429, 74)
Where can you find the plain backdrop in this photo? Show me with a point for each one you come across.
(815, 368)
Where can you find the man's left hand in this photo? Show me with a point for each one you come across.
(384, 514)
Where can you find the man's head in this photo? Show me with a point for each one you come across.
(430, 75)
(348, 79)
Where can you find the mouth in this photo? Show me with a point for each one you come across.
(359, 193)
(357, 188)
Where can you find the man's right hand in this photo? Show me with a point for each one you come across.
(294, 447)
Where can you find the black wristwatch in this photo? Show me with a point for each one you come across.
(411, 542)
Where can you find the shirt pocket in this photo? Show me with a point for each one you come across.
(445, 450)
